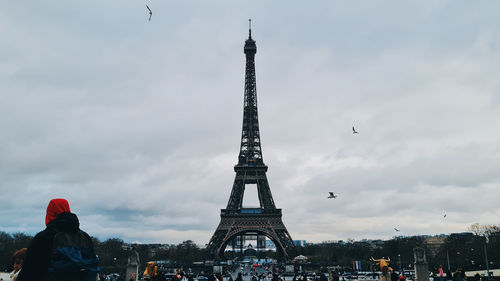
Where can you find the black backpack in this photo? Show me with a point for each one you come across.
(73, 258)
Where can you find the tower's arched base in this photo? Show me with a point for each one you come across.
(270, 225)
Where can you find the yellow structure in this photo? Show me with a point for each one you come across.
(151, 270)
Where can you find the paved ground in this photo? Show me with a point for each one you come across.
(5, 275)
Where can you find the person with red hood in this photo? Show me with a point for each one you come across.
(50, 252)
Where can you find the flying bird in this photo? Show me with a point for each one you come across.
(354, 130)
(150, 12)
(397, 229)
(444, 216)
(332, 195)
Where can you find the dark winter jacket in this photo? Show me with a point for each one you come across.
(36, 263)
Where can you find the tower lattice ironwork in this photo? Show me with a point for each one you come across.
(266, 219)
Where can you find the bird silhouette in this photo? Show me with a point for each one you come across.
(397, 229)
(444, 216)
(332, 195)
(150, 12)
(354, 130)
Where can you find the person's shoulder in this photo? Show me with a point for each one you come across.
(85, 234)
(44, 235)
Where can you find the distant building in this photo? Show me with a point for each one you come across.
(270, 244)
(433, 244)
(299, 243)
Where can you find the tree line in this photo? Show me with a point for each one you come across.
(461, 250)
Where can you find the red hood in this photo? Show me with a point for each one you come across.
(56, 206)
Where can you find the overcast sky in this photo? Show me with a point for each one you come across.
(138, 124)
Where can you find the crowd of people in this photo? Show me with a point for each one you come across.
(458, 275)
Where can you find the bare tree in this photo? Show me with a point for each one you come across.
(485, 230)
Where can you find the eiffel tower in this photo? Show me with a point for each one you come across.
(237, 221)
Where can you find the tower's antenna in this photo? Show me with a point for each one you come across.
(250, 28)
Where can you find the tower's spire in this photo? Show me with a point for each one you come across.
(250, 47)
(250, 28)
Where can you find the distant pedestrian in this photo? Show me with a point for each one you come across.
(441, 273)
(463, 275)
(394, 276)
(336, 276)
(178, 275)
(449, 276)
(239, 277)
(62, 249)
(322, 277)
(211, 277)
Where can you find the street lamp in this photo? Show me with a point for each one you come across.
(448, 259)
(400, 266)
(486, 257)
